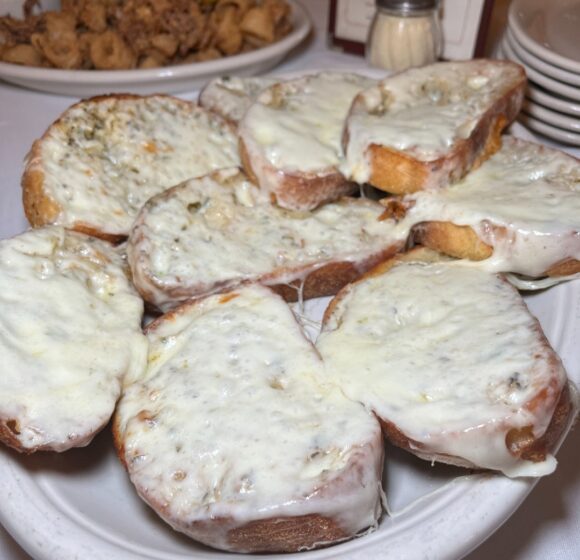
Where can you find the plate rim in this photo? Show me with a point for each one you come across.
(540, 97)
(532, 45)
(148, 76)
(551, 131)
(550, 70)
(570, 92)
(553, 118)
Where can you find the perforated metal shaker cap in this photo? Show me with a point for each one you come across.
(408, 5)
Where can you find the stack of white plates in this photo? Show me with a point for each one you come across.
(544, 37)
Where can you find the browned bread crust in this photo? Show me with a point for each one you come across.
(399, 172)
(287, 534)
(463, 242)
(564, 268)
(39, 207)
(272, 534)
(300, 191)
(457, 241)
(308, 282)
(9, 429)
(329, 279)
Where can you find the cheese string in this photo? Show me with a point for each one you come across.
(417, 501)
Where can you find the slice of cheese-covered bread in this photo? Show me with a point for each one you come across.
(231, 96)
(217, 231)
(93, 168)
(233, 438)
(453, 364)
(290, 138)
(426, 127)
(519, 212)
(70, 329)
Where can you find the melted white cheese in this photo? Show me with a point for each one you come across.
(221, 230)
(69, 331)
(297, 126)
(423, 111)
(531, 190)
(450, 355)
(231, 96)
(103, 159)
(232, 421)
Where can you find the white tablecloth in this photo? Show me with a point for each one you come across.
(545, 527)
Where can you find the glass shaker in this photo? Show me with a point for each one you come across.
(404, 33)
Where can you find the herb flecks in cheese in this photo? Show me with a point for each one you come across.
(231, 96)
(297, 126)
(221, 230)
(450, 355)
(233, 423)
(104, 158)
(69, 331)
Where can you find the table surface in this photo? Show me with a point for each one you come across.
(545, 527)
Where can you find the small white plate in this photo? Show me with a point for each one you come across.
(168, 79)
(538, 64)
(549, 29)
(551, 100)
(570, 92)
(540, 113)
(564, 136)
(542, 96)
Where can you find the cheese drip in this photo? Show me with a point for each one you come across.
(524, 202)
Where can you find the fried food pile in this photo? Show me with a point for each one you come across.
(124, 34)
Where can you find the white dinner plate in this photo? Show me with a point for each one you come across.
(539, 65)
(549, 29)
(167, 79)
(570, 92)
(549, 130)
(565, 122)
(80, 504)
